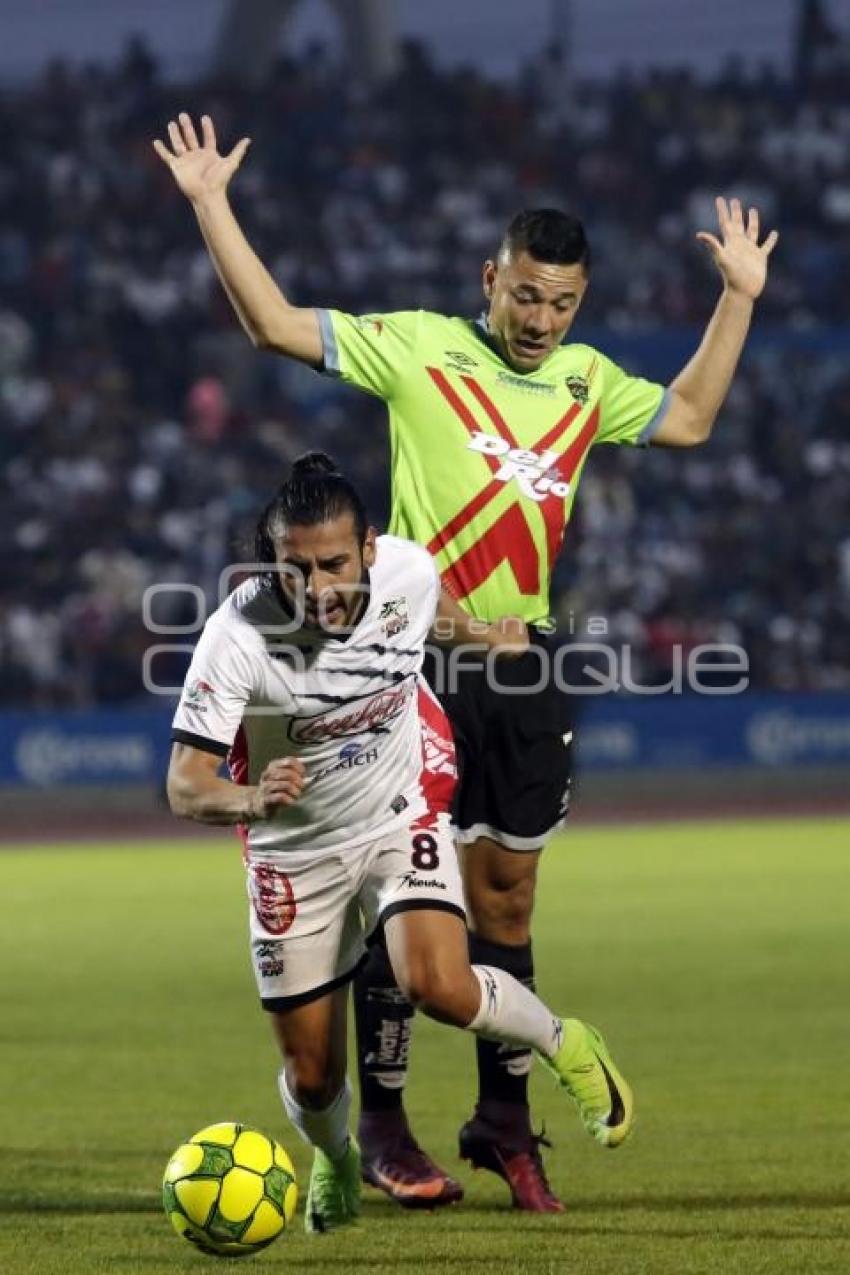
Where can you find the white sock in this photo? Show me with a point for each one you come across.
(327, 1129)
(510, 1013)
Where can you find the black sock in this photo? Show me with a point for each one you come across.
(502, 1071)
(383, 1015)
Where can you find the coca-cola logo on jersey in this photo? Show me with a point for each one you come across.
(354, 717)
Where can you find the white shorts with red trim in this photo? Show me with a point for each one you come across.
(313, 914)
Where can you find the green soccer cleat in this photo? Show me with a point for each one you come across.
(333, 1197)
(587, 1071)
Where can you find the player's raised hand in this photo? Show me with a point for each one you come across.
(738, 255)
(281, 784)
(196, 166)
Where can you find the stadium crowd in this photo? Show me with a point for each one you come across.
(141, 432)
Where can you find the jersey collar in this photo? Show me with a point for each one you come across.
(315, 637)
(481, 328)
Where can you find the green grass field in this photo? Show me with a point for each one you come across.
(714, 956)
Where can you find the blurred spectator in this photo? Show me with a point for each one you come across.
(141, 431)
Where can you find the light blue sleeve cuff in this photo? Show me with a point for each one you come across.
(330, 349)
(644, 438)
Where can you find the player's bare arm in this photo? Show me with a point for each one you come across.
(455, 627)
(204, 175)
(197, 791)
(699, 390)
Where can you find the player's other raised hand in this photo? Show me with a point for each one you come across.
(196, 166)
(738, 255)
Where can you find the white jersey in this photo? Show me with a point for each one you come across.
(351, 708)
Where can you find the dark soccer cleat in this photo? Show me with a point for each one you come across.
(407, 1175)
(517, 1161)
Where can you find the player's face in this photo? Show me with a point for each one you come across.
(532, 306)
(326, 571)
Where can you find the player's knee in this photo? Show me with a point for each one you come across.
(499, 889)
(413, 981)
(433, 990)
(502, 910)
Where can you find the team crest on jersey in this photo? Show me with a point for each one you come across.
(578, 387)
(394, 617)
(457, 361)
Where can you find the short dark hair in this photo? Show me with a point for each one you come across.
(547, 234)
(315, 491)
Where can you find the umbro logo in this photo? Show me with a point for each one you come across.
(457, 361)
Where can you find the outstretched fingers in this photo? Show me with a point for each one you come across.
(730, 217)
(770, 242)
(163, 152)
(190, 137)
(238, 153)
(175, 136)
(208, 132)
(712, 240)
(724, 217)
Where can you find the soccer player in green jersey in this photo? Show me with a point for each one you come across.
(491, 423)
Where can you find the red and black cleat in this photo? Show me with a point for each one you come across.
(519, 1163)
(407, 1175)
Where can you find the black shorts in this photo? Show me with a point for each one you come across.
(513, 735)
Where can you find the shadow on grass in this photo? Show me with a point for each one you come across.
(70, 1206)
(731, 1202)
(325, 1260)
(497, 1218)
(696, 1203)
(566, 1229)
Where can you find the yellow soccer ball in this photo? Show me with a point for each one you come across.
(229, 1190)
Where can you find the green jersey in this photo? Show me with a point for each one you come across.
(485, 460)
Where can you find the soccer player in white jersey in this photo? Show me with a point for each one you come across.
(491, 425)
(307, 681)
